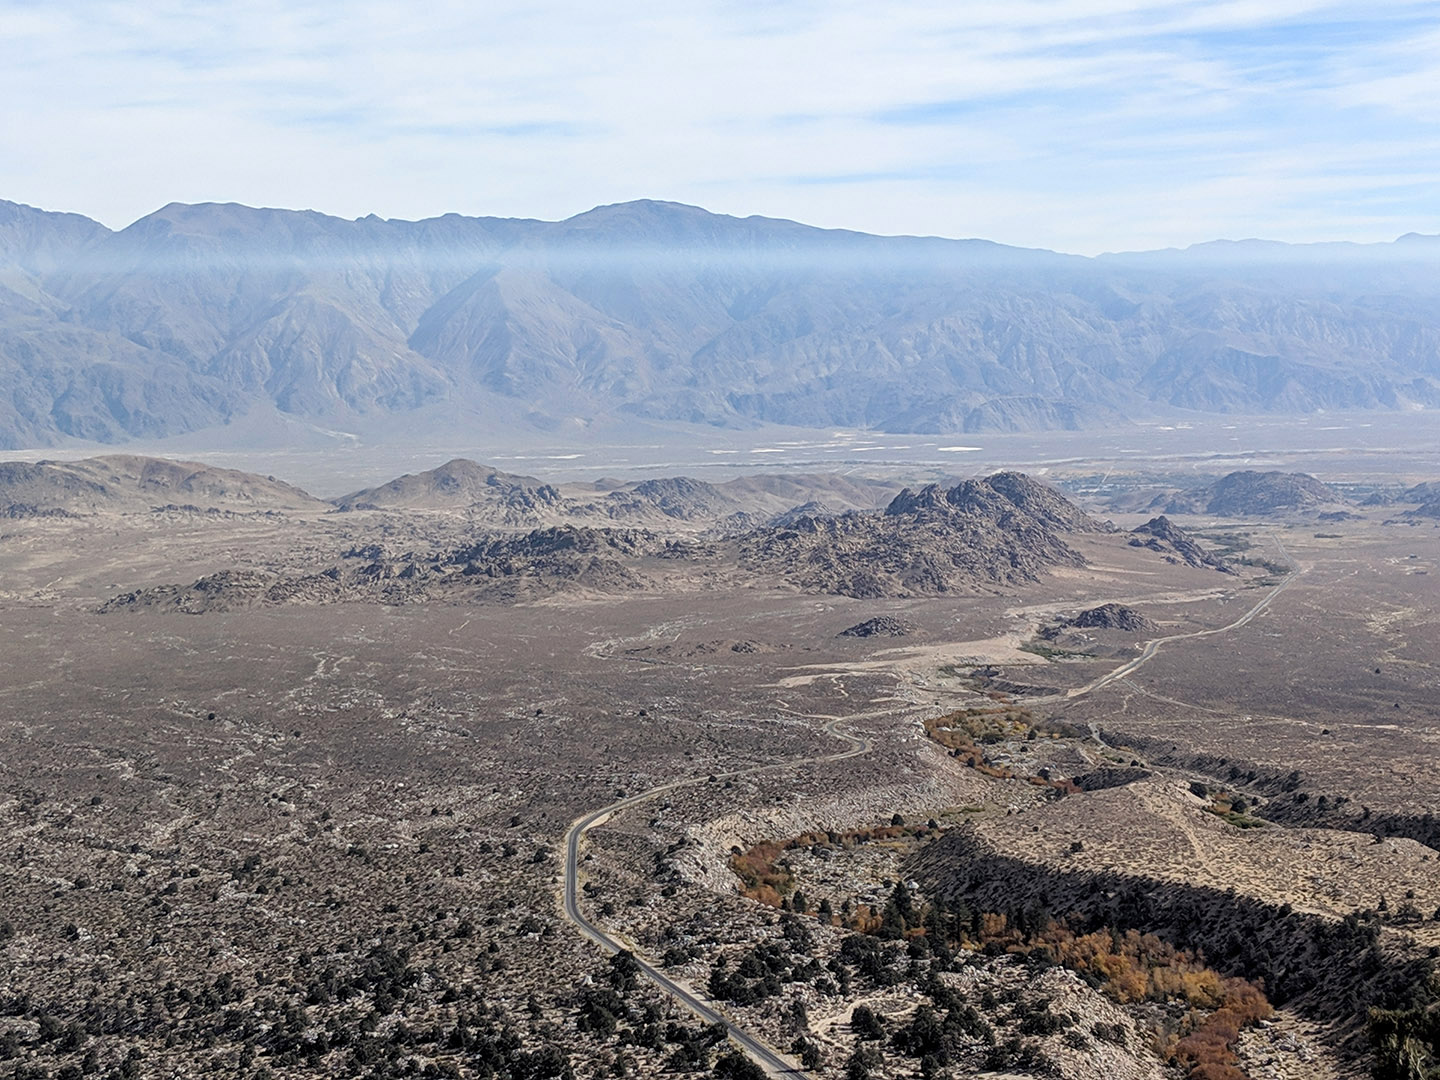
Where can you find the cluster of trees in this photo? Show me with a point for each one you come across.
(912, 942)
(316, 1017)
(936, 1034)
(951, 1031)
(1406, 1040)
(967, 732)
(766, 876)
(1128, 966)
(763, 971)
(609, 1012)
(1113, 938)
(1329, 969)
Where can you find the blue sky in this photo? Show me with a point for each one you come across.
(1080, 125)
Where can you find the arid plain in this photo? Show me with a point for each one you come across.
(976, 779)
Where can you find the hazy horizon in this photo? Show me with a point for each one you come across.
(1079, 126)
(1319, 241)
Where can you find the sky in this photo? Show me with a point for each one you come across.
(1076, 125)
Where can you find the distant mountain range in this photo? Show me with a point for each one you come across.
(197, 315)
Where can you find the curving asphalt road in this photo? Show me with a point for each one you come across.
(767, 1057)
(770, 1059)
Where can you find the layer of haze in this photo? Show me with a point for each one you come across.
(1080, 125)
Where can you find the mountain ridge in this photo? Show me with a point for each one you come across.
(195, 314)
(131, 483)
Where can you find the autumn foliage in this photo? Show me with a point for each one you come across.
(1130, 967)
(764, 876)
(966, 732)
(1134, 967)
(761, 876)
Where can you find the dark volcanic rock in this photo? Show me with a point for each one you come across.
(1163, 535)
(1109, 776)
(25, 510)
(880, 626)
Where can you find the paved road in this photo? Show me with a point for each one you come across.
(774, 1063)
(770, 1059)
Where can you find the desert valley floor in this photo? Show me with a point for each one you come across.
(969, 780)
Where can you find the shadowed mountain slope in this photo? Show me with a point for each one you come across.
(195, 315)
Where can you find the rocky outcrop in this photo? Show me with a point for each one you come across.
(1043, 503)
(1162, 535)
(788, 518)
(679, 497)
(1429, 491)
(880, 626)
(922, 545)
(227, 590)
(499, 569)
(461, 484)
(1256, 494)
(981, 536)
(1004, 498)
(1113, 617)
(497, 499)
(25, 511)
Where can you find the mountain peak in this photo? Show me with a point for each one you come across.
(202, 312)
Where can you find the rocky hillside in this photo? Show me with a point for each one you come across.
(1429, 491)
(198, 314)
(499, 499)
(1163, 535)
(1258, 494)
(124, 483)
(980, 535)
(499, 569)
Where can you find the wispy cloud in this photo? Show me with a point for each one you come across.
(1078, 124)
